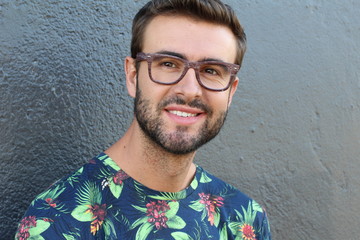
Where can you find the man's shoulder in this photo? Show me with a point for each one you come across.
(230, 205)
(65, 203)
(95, 170)
(233, 197)
(221, 186)
(90, 175)
(230, 196)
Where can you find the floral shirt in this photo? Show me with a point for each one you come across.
(100, 201)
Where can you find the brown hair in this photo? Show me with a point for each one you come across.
(213, 11)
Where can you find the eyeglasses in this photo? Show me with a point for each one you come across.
(167, 69)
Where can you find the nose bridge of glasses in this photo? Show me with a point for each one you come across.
(195, 67)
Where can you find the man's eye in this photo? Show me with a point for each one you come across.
(169, 64)
(211, 71)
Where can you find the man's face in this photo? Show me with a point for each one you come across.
(182, 117)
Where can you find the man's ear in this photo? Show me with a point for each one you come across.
(130, 72)
(233, 88)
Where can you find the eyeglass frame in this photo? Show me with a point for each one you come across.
(148, 57)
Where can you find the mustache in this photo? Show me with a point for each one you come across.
(196, 103)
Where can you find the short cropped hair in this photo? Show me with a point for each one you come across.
(212, 11)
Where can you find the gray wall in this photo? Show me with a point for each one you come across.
(292, 136)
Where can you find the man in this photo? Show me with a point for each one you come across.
(182, 74)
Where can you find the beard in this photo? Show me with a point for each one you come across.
(180, 141)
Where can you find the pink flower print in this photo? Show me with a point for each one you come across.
(156, 212)
(99, 213)
(248, 232)
(119, 177)
(211, 204)
(51, 202)
(29, 221)
(25, 224)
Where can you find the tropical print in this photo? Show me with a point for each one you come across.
(100, 201)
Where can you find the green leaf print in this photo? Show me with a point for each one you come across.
(109, 229)
(249, 214)
(233, 226)
(115, 189)
(223, 233)
(116, 182)
(141, 209)
(51, 193)
(68, 237)
(244, 223)
(108, 161)
(203, 215)
(194, 184)
(216, 218)
(181, 236)
(88, 194)
(174, 207)
(256, 207)
(139, 222)
(73, 235)
(204, 178)
(169, 196)
(41, 226)
(144, 231)
(74, 178)
(197, 206)
(82, 213)
(176, 222)
(90, 208)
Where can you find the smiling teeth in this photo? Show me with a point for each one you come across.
(183, 114)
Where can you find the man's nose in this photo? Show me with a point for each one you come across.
(189, 86)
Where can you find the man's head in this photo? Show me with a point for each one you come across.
(213, 11)
(200, 51)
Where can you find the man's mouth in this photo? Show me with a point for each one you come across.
(183, 114)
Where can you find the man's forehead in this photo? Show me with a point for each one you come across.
(188, 36)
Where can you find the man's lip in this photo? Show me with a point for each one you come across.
(184, 109)
(184, 116)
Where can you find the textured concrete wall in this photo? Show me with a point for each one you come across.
(292, 136)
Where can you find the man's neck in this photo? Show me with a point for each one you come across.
(151, 165)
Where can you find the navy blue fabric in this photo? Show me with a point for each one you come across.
(100, 201)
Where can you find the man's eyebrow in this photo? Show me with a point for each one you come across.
(175, 54)
(211, 60)
(179, 55)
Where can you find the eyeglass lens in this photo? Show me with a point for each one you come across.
(167, 70)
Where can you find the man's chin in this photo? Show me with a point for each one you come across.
(181, 146)
(179, 151)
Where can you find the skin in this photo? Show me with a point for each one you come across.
(144, 160)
